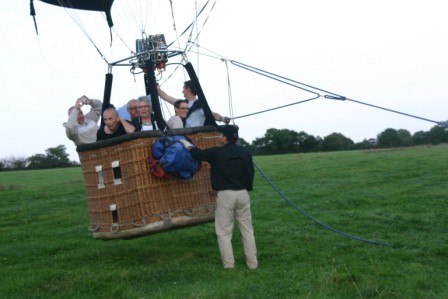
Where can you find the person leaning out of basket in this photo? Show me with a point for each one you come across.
(232, 175)
(146, 120)
(114, 125)
(82, 128)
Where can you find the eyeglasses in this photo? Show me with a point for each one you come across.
(183, 108)
(144, 106)
(132, 108)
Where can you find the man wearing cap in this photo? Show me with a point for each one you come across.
(232, 174)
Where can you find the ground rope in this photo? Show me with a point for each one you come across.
(312, 218)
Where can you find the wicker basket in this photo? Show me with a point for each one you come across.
(125, 200)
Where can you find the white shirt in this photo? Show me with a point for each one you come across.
(175, 122)
(196, 118)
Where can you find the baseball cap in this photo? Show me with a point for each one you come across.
(230, 131)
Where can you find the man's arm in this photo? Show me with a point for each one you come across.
(200, 154)
(71, 126)
(128, 127)
(95, 110)
(71, 132)
(219, 117)
(165, 96)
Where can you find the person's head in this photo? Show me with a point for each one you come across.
(188, 89)
(132, 108)
(144, 106)
(229, 132)
(80, 118)
(111, 119)
(181, 108)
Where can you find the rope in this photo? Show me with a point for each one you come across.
(312, 218)
(66, 4)
(143, 222)
(266, 74)
(279, 78)
(309, 88)
(94, 228)
(271, 109)
(398, 112)
(318, 92)
(198, 32)
(191, 24)
(197, 35)
(174, 25)
(229, 91)
(115, 227)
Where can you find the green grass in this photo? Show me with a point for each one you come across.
(393, 196)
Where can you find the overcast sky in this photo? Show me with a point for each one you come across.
(391, 54)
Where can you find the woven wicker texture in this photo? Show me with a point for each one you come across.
(125, 200)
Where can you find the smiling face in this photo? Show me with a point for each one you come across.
(182, 110)
(144, 109)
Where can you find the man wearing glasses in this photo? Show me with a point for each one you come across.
(129, 111)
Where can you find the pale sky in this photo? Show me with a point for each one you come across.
(391, 54)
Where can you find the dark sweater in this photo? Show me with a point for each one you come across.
(232, 167)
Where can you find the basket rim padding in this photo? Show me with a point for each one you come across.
(142, 134)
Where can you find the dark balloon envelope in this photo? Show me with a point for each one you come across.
(93, 5)
(96, 5)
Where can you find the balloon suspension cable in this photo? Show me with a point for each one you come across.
(229, 88)
(121, 39)
(78, 22)
(279, 79)
(312, 218)
(394, 111)
(174, 25)
(318, 92)
(191, 42)
(189, 26)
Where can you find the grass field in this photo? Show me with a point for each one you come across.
(396, 196)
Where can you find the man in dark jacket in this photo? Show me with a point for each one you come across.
(231, 174)
(114, 125)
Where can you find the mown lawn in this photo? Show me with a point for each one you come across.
(396, 196)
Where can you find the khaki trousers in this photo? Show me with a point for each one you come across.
(235, 205)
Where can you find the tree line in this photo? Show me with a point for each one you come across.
(274, 142)
(284, 141)
(54, 157)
